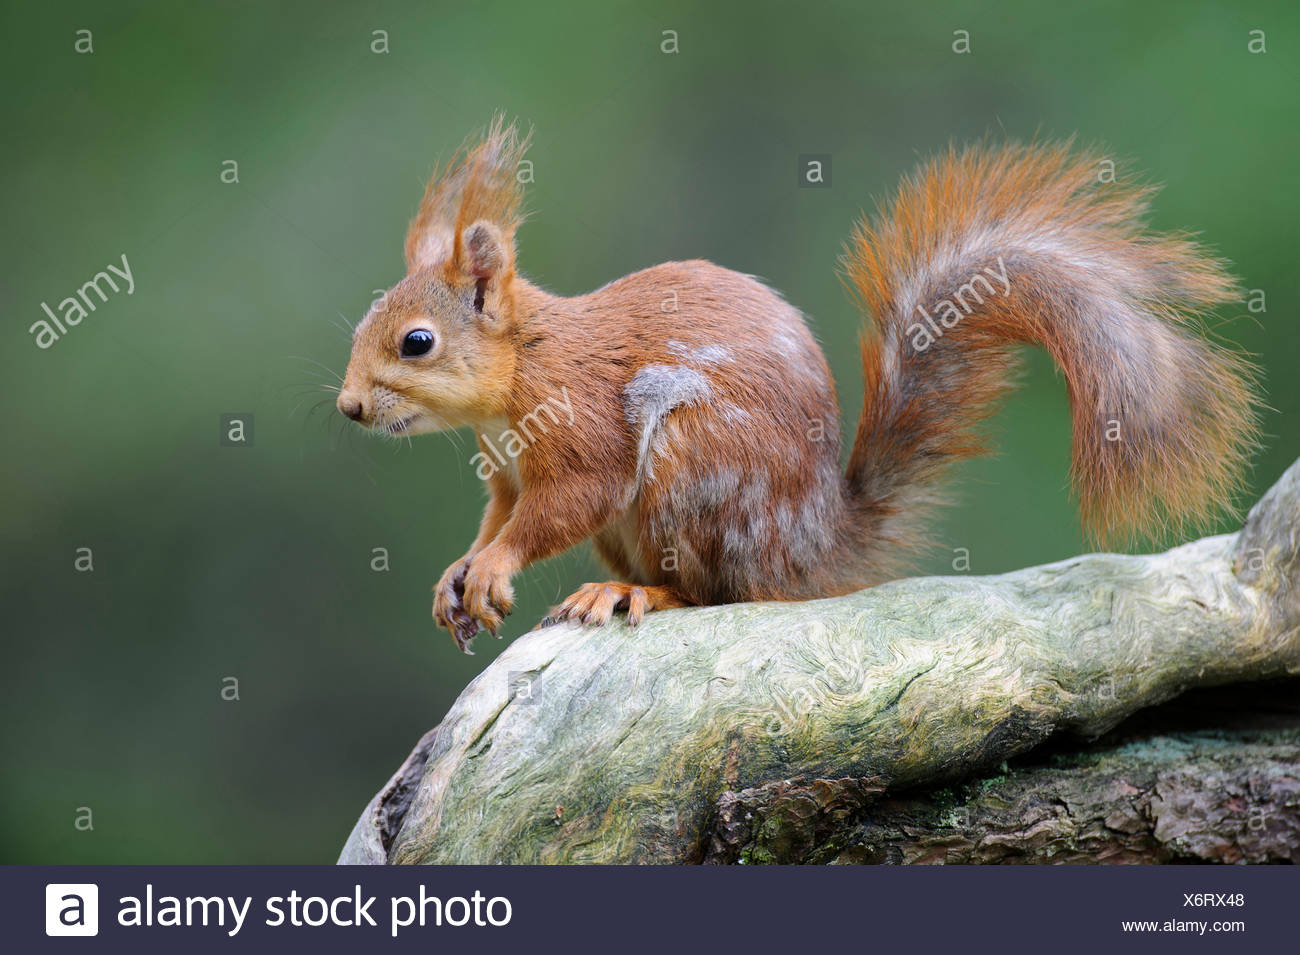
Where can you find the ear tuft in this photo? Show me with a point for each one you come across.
(479, 186)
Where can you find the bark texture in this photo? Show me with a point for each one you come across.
(811, 732)
(1168, 793)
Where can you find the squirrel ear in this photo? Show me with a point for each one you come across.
(485, 252)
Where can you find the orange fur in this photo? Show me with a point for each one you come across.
(697, 443)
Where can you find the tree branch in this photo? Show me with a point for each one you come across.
(613, 745)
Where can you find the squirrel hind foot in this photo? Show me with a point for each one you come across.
(594, 604)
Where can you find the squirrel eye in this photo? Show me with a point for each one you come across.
(418, 342)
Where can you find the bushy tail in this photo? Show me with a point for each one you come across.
(992, 246)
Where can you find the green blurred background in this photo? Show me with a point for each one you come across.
(212, 562)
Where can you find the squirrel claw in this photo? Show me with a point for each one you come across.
(463, 630)
(463, 627)
(449, 608)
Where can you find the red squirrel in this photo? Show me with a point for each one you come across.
(684, 419)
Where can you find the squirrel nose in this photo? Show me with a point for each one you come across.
(351, 407)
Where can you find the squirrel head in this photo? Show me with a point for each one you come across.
(436, 352)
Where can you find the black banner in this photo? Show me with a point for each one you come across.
(512, 909)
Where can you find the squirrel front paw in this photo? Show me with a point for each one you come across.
(488, 596)
(449, 605)
(475, 594)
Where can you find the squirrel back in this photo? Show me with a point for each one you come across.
(989, 247)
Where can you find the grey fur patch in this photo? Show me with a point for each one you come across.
(746, 537)
(652, 393)
(807, 525)
(710, 491)
(699, 354)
